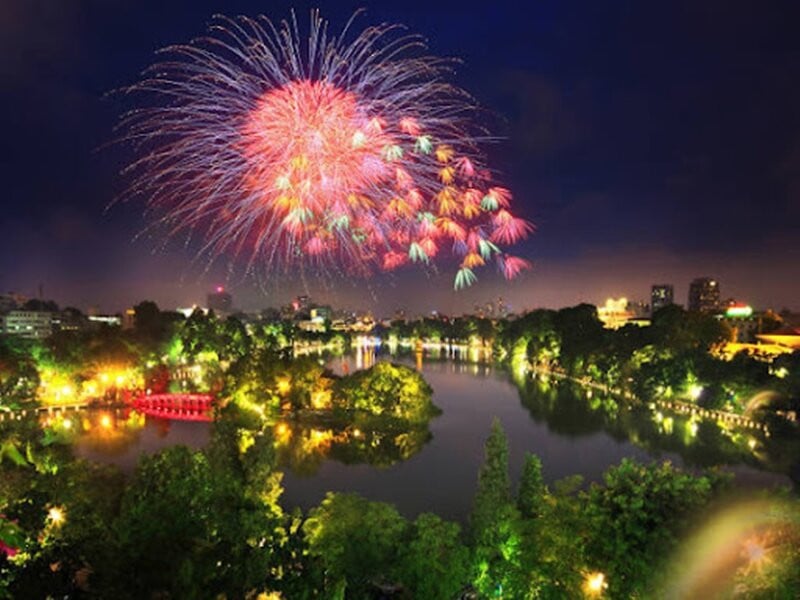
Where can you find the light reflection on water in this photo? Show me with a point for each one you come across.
(571, 433)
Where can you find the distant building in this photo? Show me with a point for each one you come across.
(321, 313)
(70, 319)
(129, 319)
(188, 311)
(7, 303)
(704, 295)
(301, 304)
(743, 322)
(788, 337)
(110, 320)
(219, 301)
(34, 325)
(618, 312)
(661, 295)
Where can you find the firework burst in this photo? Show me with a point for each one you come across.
(330, 153)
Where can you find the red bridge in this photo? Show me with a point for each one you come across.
(181, 407)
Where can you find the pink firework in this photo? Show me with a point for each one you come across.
(321, 153)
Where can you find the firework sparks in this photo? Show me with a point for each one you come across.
(353, 156)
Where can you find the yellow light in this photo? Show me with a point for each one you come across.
(595, 583)
(356, 433)
(281, 429)
(66, 390)
(320, 400)
(105, 422)
(56, 515)
(695, 391)
(67, 423)
(120, 379)
(284, 386)
(104, 377)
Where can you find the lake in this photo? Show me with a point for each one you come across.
(571, 432)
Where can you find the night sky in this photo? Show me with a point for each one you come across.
(649, 142)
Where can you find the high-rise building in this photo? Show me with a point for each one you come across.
(220, 301)
(661, 295)
(704, 295)
(31, 324)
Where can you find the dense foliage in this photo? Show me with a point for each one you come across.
(198, 524)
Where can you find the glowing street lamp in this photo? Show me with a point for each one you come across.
(56, 516)
(695, 391)
(594, 584)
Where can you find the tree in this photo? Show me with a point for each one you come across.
(678, 330)
(19, 377)
(190, 530)
(356, 541)
(532, 490)
(494, 484)
(494, 523)
(434, 563)
(636, 517)
(35, 304)
(581, 334)
(147, 321)
(388, 390)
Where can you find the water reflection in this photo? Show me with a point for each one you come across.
(571, 410)
(304, 447)
(110, 432)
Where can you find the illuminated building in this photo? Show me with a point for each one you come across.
(661, 295)
(110, 320)
(321, 313)
(614, 313)
(35, 325)
(301, 304)
(188, 311)
(704, 295)
(743, 322)
(618, 312)
(317, 318)
(219, 300)
(788, 337)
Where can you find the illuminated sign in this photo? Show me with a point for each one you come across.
(739, 310)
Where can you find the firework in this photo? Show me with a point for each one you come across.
(331, 153)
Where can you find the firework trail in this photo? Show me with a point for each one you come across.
(322, 153)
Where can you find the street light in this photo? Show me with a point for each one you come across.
(594, 584)
(56, 515)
